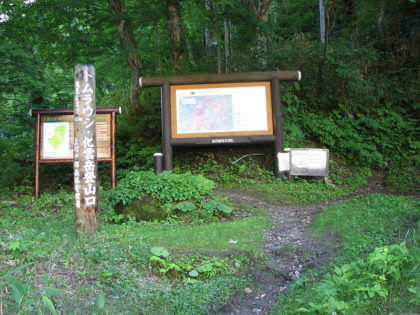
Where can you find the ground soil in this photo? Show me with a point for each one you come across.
(289, 250)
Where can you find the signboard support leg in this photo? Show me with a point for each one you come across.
(113, 150)
(166, 127)
(37, 164)
(278, 124)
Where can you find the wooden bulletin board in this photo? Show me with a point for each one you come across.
(54, 137)
(253, 119)
(57, 137)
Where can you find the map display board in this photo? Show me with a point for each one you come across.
(225, 109)
(57, 136)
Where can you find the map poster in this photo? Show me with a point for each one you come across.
(225, 109)
(57, 136)
(56, 139)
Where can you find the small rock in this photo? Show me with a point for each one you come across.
(263, 295)
(248, 291)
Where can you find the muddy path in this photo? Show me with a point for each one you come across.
(289, 250)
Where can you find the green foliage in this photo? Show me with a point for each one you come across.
(185, 206)
(166, 187)
(160, 252)
(361, 222)
(376, 266)
(342, 181)
(21, 297)
(115, 261)
(360, 284)
(359, 98)
(403, 175)
(188, 268)
(218, 207)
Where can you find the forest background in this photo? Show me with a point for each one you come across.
(359, 95)
(232, 235)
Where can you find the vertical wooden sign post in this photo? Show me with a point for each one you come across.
(85, 163)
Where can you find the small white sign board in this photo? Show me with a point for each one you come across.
(284, 161)
(304, 162)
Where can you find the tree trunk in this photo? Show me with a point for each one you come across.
(129, 47)
(381, 16)
(227, 43)
(327, 31)
(190, 52)
(213, 10)
(327, 27)
(262, 14)
(219, 55)
(209, 35)
(175, 29)
(218, 46)
(158, 48)
(124, 92)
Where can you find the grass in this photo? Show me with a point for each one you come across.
(95, 274)
(247, 232)
(376, 269)
(115, 263)
(256, 180)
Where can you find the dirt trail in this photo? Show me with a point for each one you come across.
(289, 250)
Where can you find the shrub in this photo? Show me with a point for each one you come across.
(166, 187)
(148, 196)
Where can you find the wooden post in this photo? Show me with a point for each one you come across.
(85, 163)
(220, 78)
(166, 126)
(278, 124)
(113, 150)
(37, 150)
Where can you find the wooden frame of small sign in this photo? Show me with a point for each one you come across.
(54, 130)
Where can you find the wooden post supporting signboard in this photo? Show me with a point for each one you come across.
(278, 124)
(37, 150)
(85, 161)
(166, 123)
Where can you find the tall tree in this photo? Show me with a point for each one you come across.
(327, 6)
(262, 13)
(129, 47)
(176, 33)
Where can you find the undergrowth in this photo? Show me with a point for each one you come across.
(46, 268)
(253, 177)
(376, 269)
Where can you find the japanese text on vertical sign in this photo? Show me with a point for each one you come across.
(89, 146)
(85, 145)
